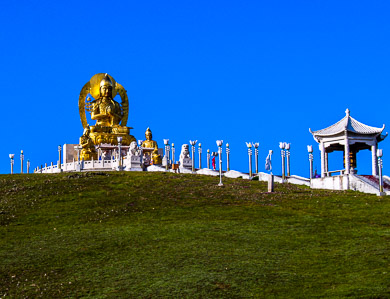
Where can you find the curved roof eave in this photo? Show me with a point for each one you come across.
(382, 137)
(347, 123)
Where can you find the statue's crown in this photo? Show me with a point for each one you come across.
(148, 130)
(106, 81)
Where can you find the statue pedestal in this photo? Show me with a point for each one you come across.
(111, 138)
(133, 163)
(185, 163)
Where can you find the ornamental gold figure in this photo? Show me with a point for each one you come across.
(88, 151)
(105, 110)
(151, 144)
(97, 97)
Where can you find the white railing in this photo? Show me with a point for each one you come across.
(329, 173)
(80, 166)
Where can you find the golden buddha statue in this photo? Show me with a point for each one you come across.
(88, 148)
(98, 98)
(151, 144)
(106, 111)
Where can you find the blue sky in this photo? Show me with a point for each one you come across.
(263, 71)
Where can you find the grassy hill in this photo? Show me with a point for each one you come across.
(167, 235)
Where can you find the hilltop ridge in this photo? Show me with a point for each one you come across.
(140, 234)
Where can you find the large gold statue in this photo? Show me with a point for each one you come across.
(105, 110)
(151, 144)
(111, 116)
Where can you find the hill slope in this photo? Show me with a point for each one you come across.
(168, 235)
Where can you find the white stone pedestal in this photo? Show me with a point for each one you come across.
(185, 163)
(133, 163)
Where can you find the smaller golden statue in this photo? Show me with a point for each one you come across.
(88, 151)
(151, 144)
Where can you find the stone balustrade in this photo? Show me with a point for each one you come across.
(80, 166)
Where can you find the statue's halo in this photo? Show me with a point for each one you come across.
(92, 87)
(95, 85)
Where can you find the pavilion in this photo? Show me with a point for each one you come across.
(350, 136)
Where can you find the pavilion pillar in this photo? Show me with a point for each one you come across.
(347, 159)
(322, 149)
(374, 159)
(326, 161)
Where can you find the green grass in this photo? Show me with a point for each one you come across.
(166, 235)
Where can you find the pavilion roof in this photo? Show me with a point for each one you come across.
(348, 123)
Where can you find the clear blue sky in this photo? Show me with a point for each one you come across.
(240, 71)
